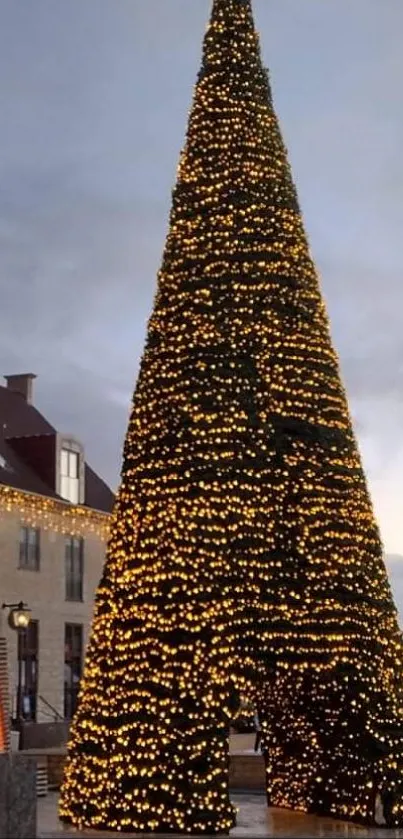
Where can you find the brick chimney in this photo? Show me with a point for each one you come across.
(22, 383)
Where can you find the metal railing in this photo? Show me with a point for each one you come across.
(55, 713)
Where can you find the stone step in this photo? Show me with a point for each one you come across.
(42, 785)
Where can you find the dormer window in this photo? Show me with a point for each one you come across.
(70, 475)
(70, 469)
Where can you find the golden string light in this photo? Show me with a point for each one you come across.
(244, 559)
(52, 514)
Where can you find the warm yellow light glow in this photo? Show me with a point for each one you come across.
(244, 558)
(57, 516)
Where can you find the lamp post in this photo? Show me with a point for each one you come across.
(18, 619)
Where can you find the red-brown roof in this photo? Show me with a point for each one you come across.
(19, 419)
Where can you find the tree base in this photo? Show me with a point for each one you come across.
(216, 825)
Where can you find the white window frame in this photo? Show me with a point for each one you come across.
(70, 475)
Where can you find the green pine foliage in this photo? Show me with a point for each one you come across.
(244, 557)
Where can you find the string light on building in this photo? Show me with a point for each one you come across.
(53, 515)
(244, 558)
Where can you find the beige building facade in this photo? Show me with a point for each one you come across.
(55, 605)
(52, 549)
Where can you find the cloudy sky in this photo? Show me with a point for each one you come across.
(94, 99)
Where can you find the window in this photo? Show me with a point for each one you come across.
(28, 657)
(69, 475)
(29, 548)
(73, 662)
(5, 465)
(74, 567)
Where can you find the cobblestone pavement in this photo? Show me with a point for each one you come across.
(254, 821)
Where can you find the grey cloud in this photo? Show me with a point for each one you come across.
(394, 565)
(84, 403)
(94, 101)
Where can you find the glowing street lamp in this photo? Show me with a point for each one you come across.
(18, 619)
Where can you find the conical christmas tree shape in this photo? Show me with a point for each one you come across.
(244, 556)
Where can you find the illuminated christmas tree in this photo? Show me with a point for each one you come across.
(244, 557)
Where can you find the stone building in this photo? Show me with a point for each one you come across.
(54, 520)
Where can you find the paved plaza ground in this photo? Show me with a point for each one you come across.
(254, 820)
